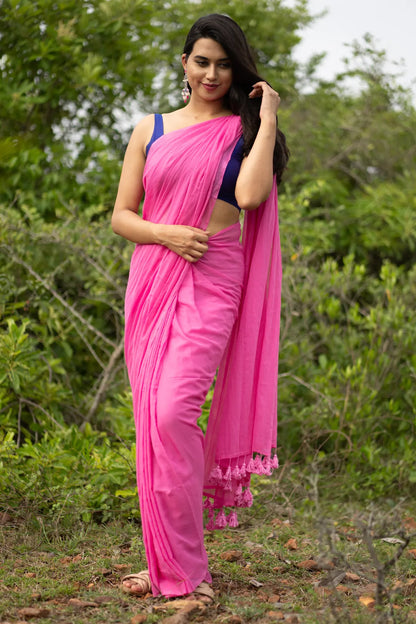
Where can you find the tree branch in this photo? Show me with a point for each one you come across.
(57, 296)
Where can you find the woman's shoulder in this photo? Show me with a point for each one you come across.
(144, 124)
(142, 132)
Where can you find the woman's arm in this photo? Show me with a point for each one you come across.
(186, 241)
(255, 179)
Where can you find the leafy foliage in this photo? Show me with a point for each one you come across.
(74, 72)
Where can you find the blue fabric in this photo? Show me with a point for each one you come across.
(157, 131)
(227, 190)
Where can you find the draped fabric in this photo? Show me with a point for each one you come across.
(242, 427)
(179, 318)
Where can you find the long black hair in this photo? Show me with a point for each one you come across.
(229, 35)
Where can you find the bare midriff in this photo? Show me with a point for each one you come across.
(223, 215)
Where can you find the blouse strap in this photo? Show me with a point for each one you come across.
(158, 130)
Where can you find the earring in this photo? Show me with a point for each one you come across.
(186, 94)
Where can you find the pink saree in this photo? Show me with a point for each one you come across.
(183, 320)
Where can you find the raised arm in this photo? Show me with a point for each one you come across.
(255, 179)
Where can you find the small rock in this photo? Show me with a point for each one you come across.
(291, 544)
(139, 618)
(102, 599)
(231, 555)
(121, 566)
(351, 577)
(309, 564)
(33, 612)
(255, 583)
(30, 574)
(82, 604)
(412, 553)
(276, 615)
(274, 598)
(367, 601)
(292, 619)
(187, 606)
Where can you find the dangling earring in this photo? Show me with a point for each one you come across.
(186, 94)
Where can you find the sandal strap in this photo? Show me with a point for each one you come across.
(204, 589)
(141, 578)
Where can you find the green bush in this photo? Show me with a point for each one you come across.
(68, 476)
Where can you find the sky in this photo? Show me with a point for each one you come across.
(392, 24)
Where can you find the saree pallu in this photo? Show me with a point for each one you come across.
(182, 319)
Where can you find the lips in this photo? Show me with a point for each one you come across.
(210, 87)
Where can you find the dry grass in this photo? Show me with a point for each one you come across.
(280, 564)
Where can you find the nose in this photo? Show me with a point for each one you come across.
(211, 72)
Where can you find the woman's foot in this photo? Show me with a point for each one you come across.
(137, 584)
(204, 593)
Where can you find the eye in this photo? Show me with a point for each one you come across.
(201, 63)
(225, 65)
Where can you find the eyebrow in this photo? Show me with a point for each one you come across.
(204, 58)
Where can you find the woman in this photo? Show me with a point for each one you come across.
(197, 297)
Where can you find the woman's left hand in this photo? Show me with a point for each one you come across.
(270, 98)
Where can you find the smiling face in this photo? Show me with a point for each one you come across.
(209, 70)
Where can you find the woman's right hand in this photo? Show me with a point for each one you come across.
(188, 242)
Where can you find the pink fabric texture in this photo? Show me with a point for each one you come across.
(243, 417)
(182, 319)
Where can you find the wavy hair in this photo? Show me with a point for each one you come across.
(229, 35)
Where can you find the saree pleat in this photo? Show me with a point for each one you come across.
(179, 189)
(182, 320)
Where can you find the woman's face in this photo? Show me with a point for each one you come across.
(208, 69)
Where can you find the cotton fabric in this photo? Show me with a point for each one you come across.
(182, 320)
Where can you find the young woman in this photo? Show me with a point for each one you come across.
(198, 299)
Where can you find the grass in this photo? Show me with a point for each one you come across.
(259, 569)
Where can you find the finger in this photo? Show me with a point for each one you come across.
(256, 92)
(196, 253)
(201, 233)
(190, 258)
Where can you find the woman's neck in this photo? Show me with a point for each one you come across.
(203, 110)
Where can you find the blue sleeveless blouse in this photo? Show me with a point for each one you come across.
(227, 190)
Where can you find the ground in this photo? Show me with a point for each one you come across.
(303, 565)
